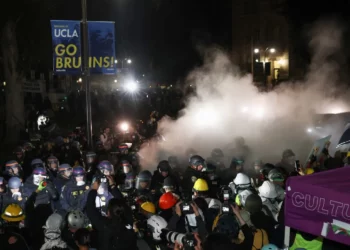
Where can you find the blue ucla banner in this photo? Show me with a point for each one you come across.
(102, 48)
(66, 47)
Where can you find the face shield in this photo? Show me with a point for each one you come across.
(107, 172)
(164, 173)
(37, 178)
(14, 190)
(67, 172)
(143, 184)
(90, 159)
(80, 180)
(103, 188)
(129, 183)
(126, 168)
(53, 165)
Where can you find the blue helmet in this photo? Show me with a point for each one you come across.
(64, 167)
(105, 165)
(269, 247)
(78, 171)
(37, 163)
(14, 182)
(39, 171)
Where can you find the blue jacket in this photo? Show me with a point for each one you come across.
(74, 197)
(45, 196)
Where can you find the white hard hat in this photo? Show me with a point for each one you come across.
(156, 223)
(241, 179)
(268, 190)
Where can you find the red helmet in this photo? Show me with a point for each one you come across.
(167, 200)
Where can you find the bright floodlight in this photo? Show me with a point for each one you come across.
(129, 61)
(124, 126)
(131, 86)
(309, 130)
(272, 50)
(244, 109)
(256, 51)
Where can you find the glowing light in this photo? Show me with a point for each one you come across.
(256, 51)
(244, 109)
(129, 61)
(4, 83)
(115, 80)
(131, 86)
(309, 130)
(282, 62)
(272, 50)
(124, 126)
(260, 112)
(115, 61)
(256, 60)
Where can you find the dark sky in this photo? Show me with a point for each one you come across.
(161, 36)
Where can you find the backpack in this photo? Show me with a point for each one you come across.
(260, 239)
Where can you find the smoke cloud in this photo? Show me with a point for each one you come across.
(227, 105)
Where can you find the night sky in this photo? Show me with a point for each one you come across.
(161, 36)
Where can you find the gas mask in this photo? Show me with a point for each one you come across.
(37, 178)
(80, 180)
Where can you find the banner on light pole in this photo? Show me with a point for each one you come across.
(66, 41)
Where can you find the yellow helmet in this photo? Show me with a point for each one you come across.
(309, 171)
(200, 185)
(149, 207)
(13, 213)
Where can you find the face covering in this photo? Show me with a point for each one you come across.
(80, 180)
(37, 179)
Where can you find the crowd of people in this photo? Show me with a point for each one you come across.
(57, 195)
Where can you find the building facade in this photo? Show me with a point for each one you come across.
(260, 42)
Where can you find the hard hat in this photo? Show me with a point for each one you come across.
(275, 175)
(241, 179)
(155, 224)
(228, 225)
(268, 190)
(309, 171)
(200, 185)
(13, 213)
(269, 247)
(76, 219)
(196, 160)
(149, 207)
(167, 200)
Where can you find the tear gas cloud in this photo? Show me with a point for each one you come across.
(228, 105)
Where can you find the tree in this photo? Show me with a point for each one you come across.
(13, 78)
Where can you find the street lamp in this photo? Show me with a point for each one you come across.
(115, 80)
(129, 61)
(115, 61)
(256, 51)
(272, 50)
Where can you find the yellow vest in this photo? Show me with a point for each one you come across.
(300, 242)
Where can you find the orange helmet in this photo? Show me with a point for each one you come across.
(167, 200)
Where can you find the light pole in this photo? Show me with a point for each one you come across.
(86, 73)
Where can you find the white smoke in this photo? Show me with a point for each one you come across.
(227, 105)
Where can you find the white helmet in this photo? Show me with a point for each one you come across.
(156, 223)
(213, 203)
(268, 190)
(242, 196)
(241, 179)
